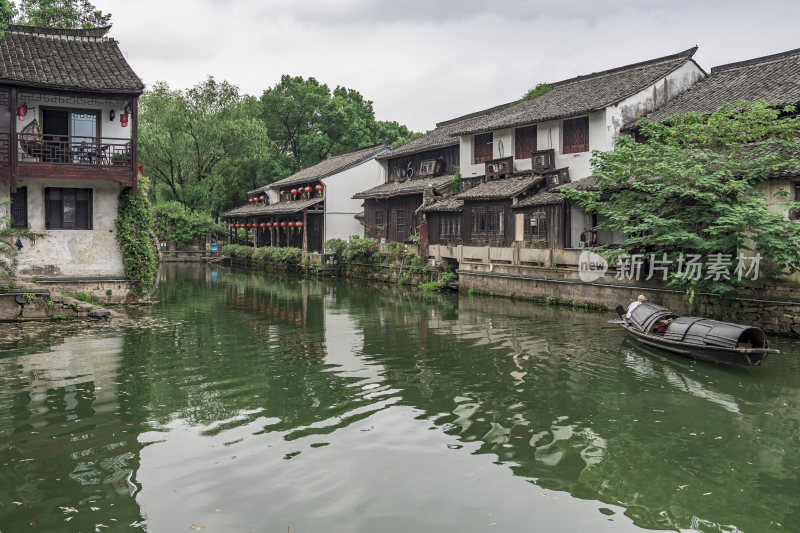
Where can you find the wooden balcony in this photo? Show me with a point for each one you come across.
(62, 157)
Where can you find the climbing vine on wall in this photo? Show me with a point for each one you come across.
(134, 224)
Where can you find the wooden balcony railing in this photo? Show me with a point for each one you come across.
(39, 148)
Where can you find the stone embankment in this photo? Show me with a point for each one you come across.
(44, 304)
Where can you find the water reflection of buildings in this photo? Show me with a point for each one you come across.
(67, 437)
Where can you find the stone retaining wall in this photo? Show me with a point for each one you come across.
(774, 308)
(23, 304)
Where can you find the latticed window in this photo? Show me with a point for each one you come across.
(379, 221)
(483, 147)
(68, 208)
(535, 226)
(401, 224)
(450, 226)
(524, 142)
(576, 135)
(488, 221)
(19, 208)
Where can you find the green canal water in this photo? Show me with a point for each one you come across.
(245, 402)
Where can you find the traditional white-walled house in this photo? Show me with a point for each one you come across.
(774, 78)
(552, 136)
(68, 119)
(318, 197)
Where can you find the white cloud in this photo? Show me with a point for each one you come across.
(423, 61)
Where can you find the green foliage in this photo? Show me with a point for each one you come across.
(60, 317)
(204, 147)
(413, 239)
(307, 121)
(266, 254)
(134, 223)
(73, 14)
(178, 224)
(83, 297)
(553, 299)
(7, 13)
(357, 250)
(402, 141)
(455, 182)
(432, 286)
(692, 188)
(449, 277)
(537, 91)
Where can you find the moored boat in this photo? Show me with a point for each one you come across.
(695, 337)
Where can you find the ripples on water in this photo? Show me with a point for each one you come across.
(260, 404)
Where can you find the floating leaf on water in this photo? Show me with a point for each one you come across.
(196, 527)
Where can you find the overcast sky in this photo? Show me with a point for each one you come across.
(424, 61)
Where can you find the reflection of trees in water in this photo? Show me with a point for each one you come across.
(545, 391)
(67, 436)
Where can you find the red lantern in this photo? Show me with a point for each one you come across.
(263, 225)
(284, 224)
(251, 201)
(123, 120)
(262, 199)
(248, 225)
(320, 187)
(299, 225)
(308, 190)
(295, 192)
(22, 111)
(291, 225)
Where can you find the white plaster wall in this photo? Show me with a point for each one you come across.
(340, 207)
(71, 253)
(652, 97)
(579, 222)
(548, 136)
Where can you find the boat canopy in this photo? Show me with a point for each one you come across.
(694, 330)
(645, 316)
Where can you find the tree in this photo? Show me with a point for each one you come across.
(693, 188)
(71, 14)
(7, 13)
(204, 147)
(307, 121)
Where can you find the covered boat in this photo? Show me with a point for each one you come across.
(699, 338)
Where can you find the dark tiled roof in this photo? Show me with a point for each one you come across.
(281, 208)
(441, 136)
(546, 197)
(65, 59)
(326, 167)
(395, 188)
(445, 205)
(581, 95)
(586, 184)
(774, 78)
(360, 216)
(501, 189)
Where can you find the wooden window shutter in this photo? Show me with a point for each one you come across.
(576, 135)
(483, 147)
(524, 142)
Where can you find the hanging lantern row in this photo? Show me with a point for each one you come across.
(257, 200)
(307, 190)
(269, 225)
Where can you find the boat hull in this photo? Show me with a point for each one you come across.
(702, 352)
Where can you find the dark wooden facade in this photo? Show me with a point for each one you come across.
(445, 228)
(449, 156)
(394, 219)
(557, 217)
(65, 157)
(487, 223)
